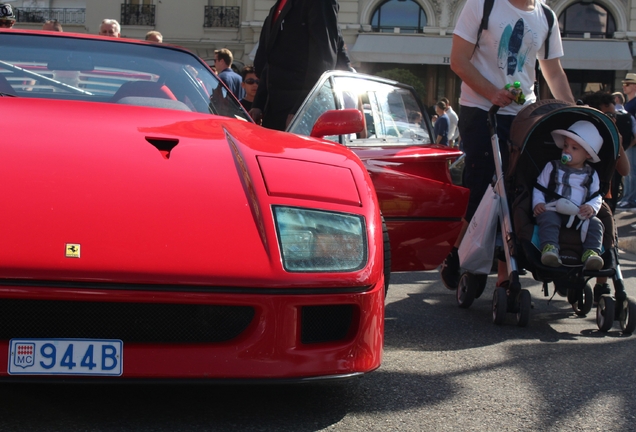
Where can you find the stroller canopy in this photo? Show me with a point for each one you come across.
(532, 145)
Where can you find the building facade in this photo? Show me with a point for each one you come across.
(412, 36)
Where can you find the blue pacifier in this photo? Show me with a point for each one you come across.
(565, 158)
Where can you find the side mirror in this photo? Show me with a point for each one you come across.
(338, 122)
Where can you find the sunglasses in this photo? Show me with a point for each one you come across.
(251, 81)
(6, 23)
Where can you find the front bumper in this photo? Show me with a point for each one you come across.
(292, 336)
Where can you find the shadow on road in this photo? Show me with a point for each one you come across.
(431, 320)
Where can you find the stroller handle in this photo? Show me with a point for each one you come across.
(505, 219)
(492, 119)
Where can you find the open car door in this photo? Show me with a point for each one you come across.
(422, 206)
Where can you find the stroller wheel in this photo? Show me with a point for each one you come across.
(605, 313)
(584, 300)
(525, 302)
(469, 288)
(499, 305)
(628, 317)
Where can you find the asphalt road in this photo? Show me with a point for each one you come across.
(444, 369)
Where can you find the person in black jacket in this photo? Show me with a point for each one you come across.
(298, 42)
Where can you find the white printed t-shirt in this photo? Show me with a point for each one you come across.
(515, 38)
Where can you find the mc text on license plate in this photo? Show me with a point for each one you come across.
(65, 357)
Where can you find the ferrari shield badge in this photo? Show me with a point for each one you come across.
(72, 250)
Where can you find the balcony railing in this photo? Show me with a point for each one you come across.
(62, 15)
(140, 15)
(221, 16)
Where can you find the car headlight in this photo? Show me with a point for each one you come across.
(320, 241)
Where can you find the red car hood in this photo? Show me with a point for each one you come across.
(106, 179)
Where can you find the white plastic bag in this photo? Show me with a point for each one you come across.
(478, 245)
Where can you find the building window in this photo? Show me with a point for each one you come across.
(408, 15)
(141, 14)
(39, 15)
(587, 17)
(222, 16)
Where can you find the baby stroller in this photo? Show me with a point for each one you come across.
(531, 147)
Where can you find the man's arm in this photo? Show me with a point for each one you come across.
(461, 53)
(556, 79)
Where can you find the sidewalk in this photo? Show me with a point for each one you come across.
(626, 223)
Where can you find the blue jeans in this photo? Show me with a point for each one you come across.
(550, 224)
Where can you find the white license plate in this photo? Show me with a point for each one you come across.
(65, 357)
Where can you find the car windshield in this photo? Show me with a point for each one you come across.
(111, 71)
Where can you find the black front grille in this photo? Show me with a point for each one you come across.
(130, 322)
(326, 323)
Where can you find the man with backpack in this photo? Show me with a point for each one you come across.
(496, 43)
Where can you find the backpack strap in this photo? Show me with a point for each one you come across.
(549, 15)
(488, 4)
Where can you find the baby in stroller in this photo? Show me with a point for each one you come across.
(571, 187)
(541, 133)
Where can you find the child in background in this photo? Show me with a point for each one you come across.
(250, 85)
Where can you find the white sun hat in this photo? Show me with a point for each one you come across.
(584, 133)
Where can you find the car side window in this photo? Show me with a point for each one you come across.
(391, 113)
(323, 100)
